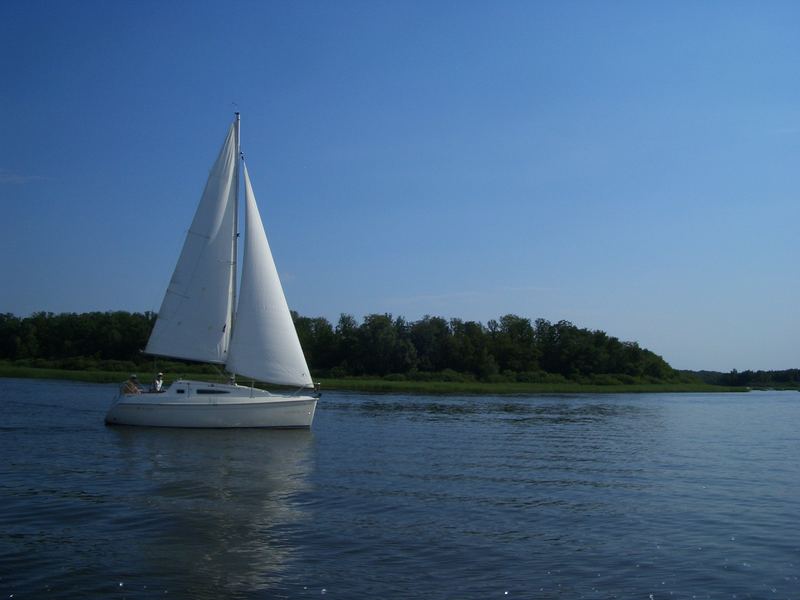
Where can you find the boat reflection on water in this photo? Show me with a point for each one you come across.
(210, 509)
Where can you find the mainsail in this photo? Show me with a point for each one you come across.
(194, 321)
(264, 344)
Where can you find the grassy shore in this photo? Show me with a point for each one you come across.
(384, 386)
(34, 373)
(94, 376)
(477, 387)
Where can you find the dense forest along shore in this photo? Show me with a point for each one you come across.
(381, 354)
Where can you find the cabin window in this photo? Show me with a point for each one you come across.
(211, 392)
(180, 391)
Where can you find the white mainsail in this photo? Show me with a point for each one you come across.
(264, 345)
(194, 321)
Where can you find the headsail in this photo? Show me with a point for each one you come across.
(264, 344)
(194, 321)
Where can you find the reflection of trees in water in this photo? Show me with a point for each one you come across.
(211, 520)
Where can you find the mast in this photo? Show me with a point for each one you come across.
(235, 223)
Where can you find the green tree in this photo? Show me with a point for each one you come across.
(471, 349)
(432, 339)
(383, 347)
(513, 344)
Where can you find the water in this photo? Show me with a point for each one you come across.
(627, 496)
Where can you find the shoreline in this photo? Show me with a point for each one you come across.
(376, 385)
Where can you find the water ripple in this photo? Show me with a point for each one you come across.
(390, 496)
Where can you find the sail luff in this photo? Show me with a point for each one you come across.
(265, 345)
(194, 320)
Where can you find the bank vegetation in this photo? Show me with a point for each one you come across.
(380, 352)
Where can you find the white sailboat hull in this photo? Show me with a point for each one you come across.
(206, 405)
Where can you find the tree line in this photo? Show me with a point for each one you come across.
(511, 348)
(787, 378)
(105, 340)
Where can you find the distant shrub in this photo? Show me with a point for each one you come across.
(395, 377)
(497, 378)
(604, 379)
(554, 378)
(76, 363)
(117, 365)
(531, 376)
(539, 377)
(447, 375)
(338, 372)
(451, 375)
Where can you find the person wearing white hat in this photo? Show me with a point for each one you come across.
(158, 383)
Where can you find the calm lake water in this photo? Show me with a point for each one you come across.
(389, 496)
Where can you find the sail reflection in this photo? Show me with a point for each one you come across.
(218, 507)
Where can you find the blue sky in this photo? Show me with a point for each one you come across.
(627, 166)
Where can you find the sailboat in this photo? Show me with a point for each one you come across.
(202, 319)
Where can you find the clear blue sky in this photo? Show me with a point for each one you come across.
(627, 166)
